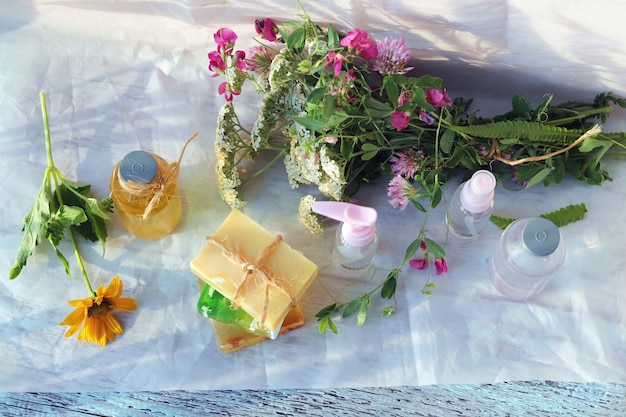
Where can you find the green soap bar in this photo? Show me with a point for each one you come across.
(214, 305)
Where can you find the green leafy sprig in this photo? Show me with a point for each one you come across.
(61, 208)
(561, 217)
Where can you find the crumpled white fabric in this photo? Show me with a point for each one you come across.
(121, 76)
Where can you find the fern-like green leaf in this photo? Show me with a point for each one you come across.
(502, 222)
(518, 129)
(561, 217)
(566, 215)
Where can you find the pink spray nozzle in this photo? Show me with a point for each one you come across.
(477, 194)
(359, 223)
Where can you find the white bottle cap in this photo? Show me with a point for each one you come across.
(477, 193)
(359, 223)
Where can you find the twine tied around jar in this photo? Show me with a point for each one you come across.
(255, 270)
(167, 174)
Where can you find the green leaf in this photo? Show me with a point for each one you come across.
(309, 123)
(521, 107)
(316, 94)
(434, 248)
(351, 308)
(411, 249)
(326, 310)
(501, 222)
(34, 228)
(427, 81)
(333, 38)
(566, 215)
(561, 217)
(418, 205)
(389, 286)
(71, 215)
(370, 150)
(516, 129)
(296, 39)
(365, 305)
(327, 323)
(446, 141)
(538, 177)
(594, 142)
(328, 106)
(393, 92)
(347, 148)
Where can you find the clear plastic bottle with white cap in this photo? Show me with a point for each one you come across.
(357, 240)
(471, 205)
(529, 253)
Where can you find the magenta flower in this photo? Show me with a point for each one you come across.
(359, 40)
(419, 263)
(226, 90)
(225, 39)
(438, 98)
(400, 119)
(216, 63)
(335, 60)
(400, 192)
(404, 98)
(266, 28)
(393, 56)
(440, 266)
(407, 162)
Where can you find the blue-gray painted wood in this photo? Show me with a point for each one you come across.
(532, 398)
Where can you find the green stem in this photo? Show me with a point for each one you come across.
(580, 115)
(46, 127)
(79, 259)
(53, 172)
(265, 168)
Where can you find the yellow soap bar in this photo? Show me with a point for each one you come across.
(290, 272)
(232, 338)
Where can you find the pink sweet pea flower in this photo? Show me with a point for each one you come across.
(440, 266)
(438, 98)
(359, 40)
(240, 60)
(336, 61)
(404, 98)
(400, 120)
(216, 63)
(225, 39)
(267, 28)
(419, 263)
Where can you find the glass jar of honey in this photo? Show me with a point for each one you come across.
(144, 189)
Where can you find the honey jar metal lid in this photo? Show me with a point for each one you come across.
(139, 167)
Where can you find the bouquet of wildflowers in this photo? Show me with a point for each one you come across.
(342, 109)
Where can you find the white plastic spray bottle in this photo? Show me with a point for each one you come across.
(471, 205)
(356, 240)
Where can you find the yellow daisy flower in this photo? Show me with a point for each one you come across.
(95, 314)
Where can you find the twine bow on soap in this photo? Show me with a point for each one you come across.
(256, 270)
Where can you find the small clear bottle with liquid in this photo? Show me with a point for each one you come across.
(529, 253)
(148, 204)
(356, 241)
(471, 206)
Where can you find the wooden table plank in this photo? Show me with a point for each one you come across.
(532, 398)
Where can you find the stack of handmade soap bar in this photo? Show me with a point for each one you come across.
(252, 282)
